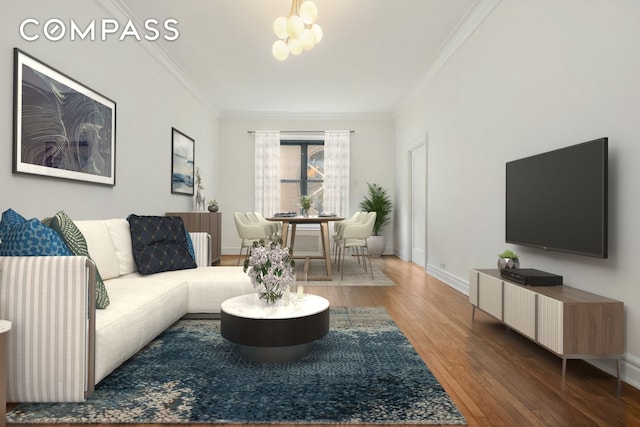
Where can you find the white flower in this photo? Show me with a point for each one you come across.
(270, 269)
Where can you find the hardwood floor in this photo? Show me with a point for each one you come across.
(495, 376)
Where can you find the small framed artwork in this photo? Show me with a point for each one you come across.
(62, 128)
(182, 163)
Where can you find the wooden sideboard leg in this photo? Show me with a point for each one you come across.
(473, 313)
(619, 385)
(564, 368)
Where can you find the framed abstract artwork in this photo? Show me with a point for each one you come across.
(62, 128)
(182, 163)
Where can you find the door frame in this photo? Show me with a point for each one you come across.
(418, 144)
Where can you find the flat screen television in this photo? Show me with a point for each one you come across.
(558, 200)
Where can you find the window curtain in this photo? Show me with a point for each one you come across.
(267, 173)
(336, 172)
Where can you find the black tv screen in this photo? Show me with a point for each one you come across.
(558, 200)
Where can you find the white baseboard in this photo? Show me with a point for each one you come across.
(402, 255)
(631, 370)
(449, 279)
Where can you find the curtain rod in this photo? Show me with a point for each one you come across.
(299, 131)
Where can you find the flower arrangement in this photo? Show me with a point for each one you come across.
(305, 203)
(271, 270)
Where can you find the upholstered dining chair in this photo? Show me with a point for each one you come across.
(354, 236)
(273, 229)
(248, 231)
(338, 226)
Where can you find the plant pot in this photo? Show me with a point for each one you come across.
(506, 263)
(376, 245)
(213, 208)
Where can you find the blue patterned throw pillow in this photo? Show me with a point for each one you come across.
(21, 237)
(159, 244)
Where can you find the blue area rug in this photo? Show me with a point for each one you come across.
(363, 371)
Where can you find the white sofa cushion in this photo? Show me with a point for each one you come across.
(121, 237)
(210, 286)
(100, 247)
(141, 308)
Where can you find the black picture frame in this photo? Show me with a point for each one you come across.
(62, 128)
(182, 163)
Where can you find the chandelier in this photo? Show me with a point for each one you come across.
(298, 32)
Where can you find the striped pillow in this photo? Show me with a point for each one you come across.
(77, 244)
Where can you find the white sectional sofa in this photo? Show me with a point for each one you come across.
(60, 345)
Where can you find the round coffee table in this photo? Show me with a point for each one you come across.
(274, 333)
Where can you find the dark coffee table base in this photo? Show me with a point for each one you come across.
(275, 354)
(274, 340)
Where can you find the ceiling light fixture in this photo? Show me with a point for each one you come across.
(298, 32)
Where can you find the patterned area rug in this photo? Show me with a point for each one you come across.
(354, 274)
(363, 371)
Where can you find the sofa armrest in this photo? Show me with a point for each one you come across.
(50, 302)
(202, 247)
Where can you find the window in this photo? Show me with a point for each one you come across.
(301, 173)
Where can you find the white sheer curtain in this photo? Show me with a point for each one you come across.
(267, 173)
(336, 172)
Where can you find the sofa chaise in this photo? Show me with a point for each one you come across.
(60, 345)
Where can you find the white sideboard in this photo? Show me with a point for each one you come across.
(572, 323)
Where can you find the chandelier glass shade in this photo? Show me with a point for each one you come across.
(298, 32)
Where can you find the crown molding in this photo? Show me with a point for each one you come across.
(119, 10)
(467, 26)
(289, 115)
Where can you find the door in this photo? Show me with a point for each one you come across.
(418, 167)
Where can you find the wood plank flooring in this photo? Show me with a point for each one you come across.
(495, 376)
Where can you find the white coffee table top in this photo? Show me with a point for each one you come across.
(251, 307)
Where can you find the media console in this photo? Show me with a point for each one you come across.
(569, 322)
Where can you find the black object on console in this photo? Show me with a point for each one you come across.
(531, 276)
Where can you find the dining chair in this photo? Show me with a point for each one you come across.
(273, 229)
(338, 226)
(354, 236)
(248, 231)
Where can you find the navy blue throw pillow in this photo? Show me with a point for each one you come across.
(159, 244)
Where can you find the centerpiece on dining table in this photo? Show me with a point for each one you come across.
(271, 270)
(305, 203)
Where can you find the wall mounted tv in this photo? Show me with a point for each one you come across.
(558, 200)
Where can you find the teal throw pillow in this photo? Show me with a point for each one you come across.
(192, 251)
(21, 237)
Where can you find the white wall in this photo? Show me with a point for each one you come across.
(149, 102)
(371, 158)
(534, 77)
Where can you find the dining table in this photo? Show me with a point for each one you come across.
(323, 221)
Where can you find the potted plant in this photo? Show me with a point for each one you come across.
(377, 201)
(508, 259)
(305, 203)
(212, 205)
